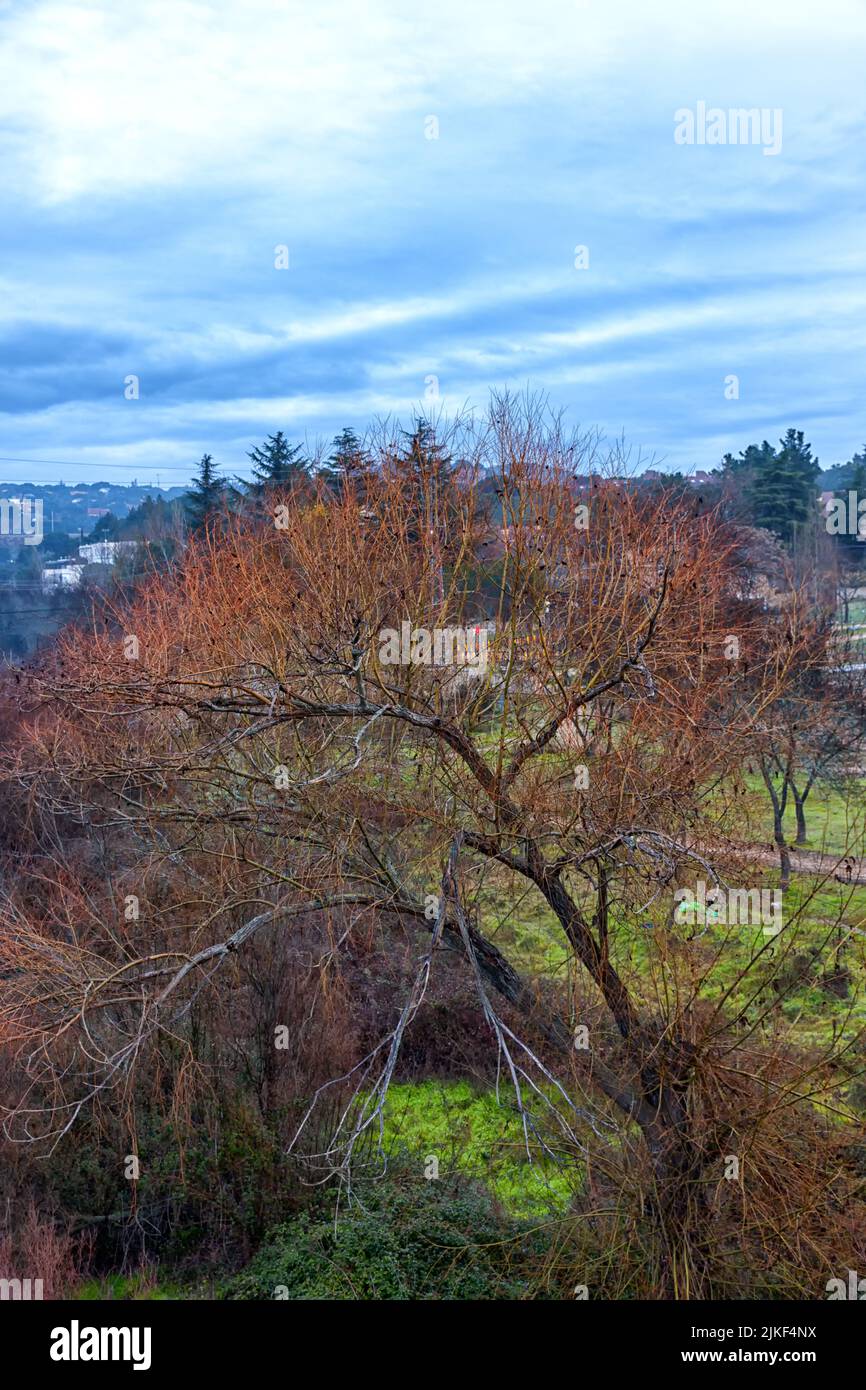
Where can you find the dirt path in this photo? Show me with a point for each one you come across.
(809, 861)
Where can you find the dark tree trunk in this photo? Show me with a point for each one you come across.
(779, 802)
(800, 808)
(651, 1082)
(784, 855)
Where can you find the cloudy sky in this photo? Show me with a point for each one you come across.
(155, 156)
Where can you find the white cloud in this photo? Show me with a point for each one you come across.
(154, 154)
(105, 98)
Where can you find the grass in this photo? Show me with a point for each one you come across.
(834, 816)
(136, 1288)
(519, 922)
(856, 611)
(470, 1132)
(820, 916)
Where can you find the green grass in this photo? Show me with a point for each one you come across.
(856, 611)
(128, 1287)
(834, 818)
(519, 922)
(468, 1131)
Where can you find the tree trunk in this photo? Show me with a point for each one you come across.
(779, 803)
(651, 1083)
(678, 1203)
(784, 854)
(800, 808)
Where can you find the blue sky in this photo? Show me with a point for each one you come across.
(155, 154)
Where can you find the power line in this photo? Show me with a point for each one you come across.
(79, 463)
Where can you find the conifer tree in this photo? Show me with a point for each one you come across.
(206, 495)
(276, 463)
(850, 540)
(348, 462)
(424, 463)
(784, 490)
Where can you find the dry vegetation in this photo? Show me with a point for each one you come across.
(247, 821)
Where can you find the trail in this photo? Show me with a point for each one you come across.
(844, 869)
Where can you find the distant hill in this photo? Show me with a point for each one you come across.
(76, 508)
(836, 479)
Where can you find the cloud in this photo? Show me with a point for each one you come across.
(155, 155)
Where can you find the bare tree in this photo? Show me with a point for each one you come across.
(309, 718)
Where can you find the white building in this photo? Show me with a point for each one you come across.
(61, 574)
(104, 552)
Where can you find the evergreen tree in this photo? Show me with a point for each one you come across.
(857, 474)
(105, 527)
(774, 488)
(738, 477)
(347, 463)
(205, 497)
(767, 495)
(427, 473)
(276, 463)
(857, 485)
(751, 460)
(850, 546)
(784, 490)
(425, 465)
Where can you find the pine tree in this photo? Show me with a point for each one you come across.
(427, 472)
(857, 485)
(347, 463)
(425, 465)
(751, 460)
(850, 545)
(276, 463)
(205, 497)
(784, 493)
(857, 475)
(105, 526)
(800, 459)
(777, 487)
(768, 495)
(737, 480)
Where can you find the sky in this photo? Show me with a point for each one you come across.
(428, 171)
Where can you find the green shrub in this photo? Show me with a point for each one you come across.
(402, 1238)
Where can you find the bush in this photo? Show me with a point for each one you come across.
(41, 1251)
(404, 1238)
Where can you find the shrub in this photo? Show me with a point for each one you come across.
(40, 1251)
(401, 1239)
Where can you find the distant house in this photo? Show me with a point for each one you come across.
(104, 552)
(61, 574)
